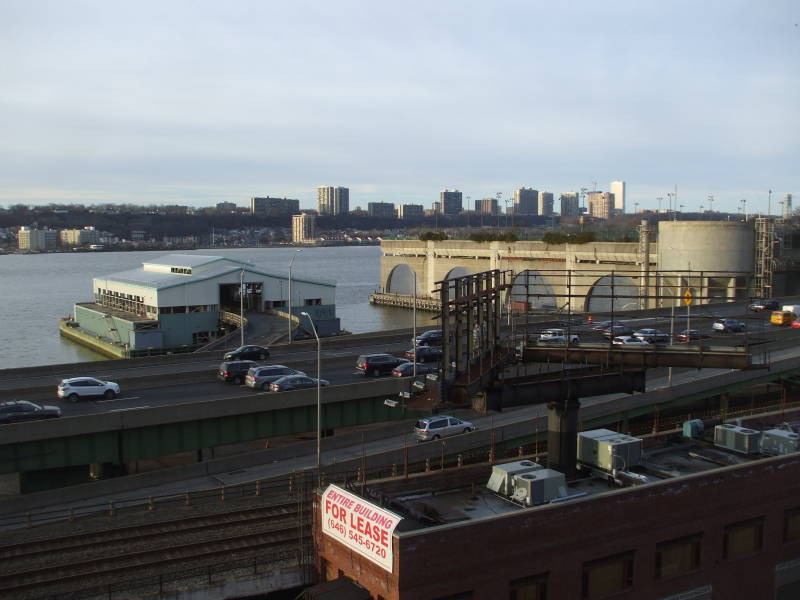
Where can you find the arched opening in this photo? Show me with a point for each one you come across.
(456, 272)
(613, 293)
(530, 291)
(401, 281)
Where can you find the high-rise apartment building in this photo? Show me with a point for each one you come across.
(274, 207)
(570, 204)
(618, 189)
(546, 204)
(787, 206)
(526, 201)
(79, 237)
(333, 200)
(487, 206)
(37, 239)
(381, 209)
(411, 211)
(303, 228)
(451, 201)
(601, 204)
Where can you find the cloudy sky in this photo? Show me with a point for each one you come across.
(198, 102)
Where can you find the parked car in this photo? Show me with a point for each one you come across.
(16, 411)
(261, 377)
(729, 325)
(433, 428)
(84, 387)
(295, 382)
(234, 371)
(407, 370)
(617, 330)
(760, 305)
(558, 336)
(432, 337)
(424, 354)
(653, 336)
(691, 335)
(378, 364)
(629, 340)
(795, 324)
(247, 353)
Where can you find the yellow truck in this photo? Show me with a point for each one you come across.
(786, 315)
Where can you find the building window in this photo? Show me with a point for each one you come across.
(742, 539)
(677, 557)
(607, 575)
(791, 525)
(528, 588)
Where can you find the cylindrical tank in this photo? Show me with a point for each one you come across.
(705, 246)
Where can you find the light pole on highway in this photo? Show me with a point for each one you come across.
(289, 303)
(319, 401)
(241, 305)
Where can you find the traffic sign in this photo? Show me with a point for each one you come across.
(687, 297)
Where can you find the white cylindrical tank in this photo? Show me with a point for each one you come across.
(705, 246)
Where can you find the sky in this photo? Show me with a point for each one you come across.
(199, 102)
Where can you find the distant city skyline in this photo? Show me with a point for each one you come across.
(191, 103)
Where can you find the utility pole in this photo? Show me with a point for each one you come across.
(499, 196)
(710, 203)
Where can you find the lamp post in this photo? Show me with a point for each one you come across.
(241, 305)
(289, 303)
(319, 400)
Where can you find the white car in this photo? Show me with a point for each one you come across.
(83, 387)
(629, 340)
(550, 336)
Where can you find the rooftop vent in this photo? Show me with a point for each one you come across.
(501, 480)
(539, 487)
(779, 441)
(737, 438)
(609, 450)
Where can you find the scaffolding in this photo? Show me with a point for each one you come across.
(764, 266)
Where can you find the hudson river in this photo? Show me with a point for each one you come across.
(37, 289)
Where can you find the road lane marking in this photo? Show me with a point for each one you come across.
(117, 399)
(131, 408)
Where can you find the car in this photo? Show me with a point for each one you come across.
(572, 322)
(234, 371)
(261, 377)
(558, 336)
(729, 325)
(795, 324)
(691, 335)
(295, 382)
(432, 337)
(424, 354)
(75, 388)
(629, 340)
(247, 353)
(654, 336)
(407, 370)
(617, 330)
(603, 325)
(16, 411)
(378, 364)
(439, 426)
(760, 305)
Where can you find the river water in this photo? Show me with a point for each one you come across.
(37, 289)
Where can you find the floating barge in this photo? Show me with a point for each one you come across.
(425, 303)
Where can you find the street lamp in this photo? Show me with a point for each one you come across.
(319, 400)
(291, 262)
(241, 305)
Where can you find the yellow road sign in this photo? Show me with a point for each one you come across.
(687, 297)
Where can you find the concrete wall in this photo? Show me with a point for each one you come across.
(705, 246)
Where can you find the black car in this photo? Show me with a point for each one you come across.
(407, 370)
(378, 364)
(760, 305)
(247, 353)
(295, 382)
(22, 410)
(429, 338)
(424, 354)
(616, 330)
(234, 371)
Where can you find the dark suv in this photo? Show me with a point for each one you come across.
(248, 353)
(234, 371)
(430, 338)
(378, 364)
(760, 305)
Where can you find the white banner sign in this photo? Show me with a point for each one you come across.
(358, 524)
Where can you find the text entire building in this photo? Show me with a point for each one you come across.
(333, 200)
(37, 240)
(274, 207)
(546, 204)
(618, 189)
(303, 228)
(182, 300)
(487, 206)
(601, 204)
(570, 204)
(381, 209)
(526, 201)
(451, 201)
(411, 211)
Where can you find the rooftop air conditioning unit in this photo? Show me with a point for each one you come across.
(779, 441)
(539, 487)
(737, 438)
(609, 450)
(501, 479)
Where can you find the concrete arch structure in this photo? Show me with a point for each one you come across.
(531, 290)
(613, 292)
(401, 280)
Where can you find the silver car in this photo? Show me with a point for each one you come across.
(82, 387)
(433, 428)
(261, 377)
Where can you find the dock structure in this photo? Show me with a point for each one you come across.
(425, 303)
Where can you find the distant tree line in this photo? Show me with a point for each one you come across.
(557, 237)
